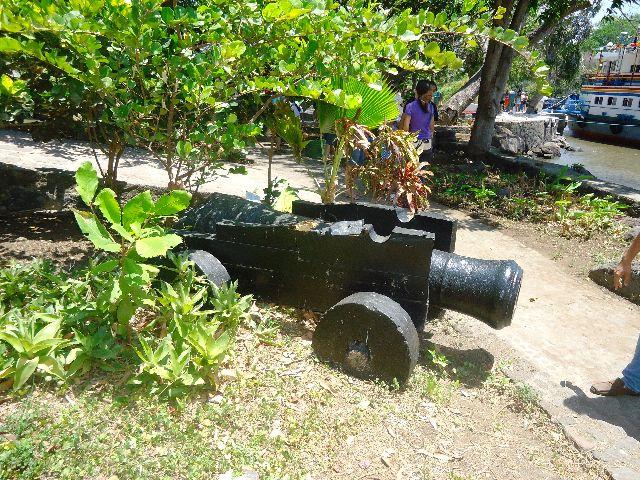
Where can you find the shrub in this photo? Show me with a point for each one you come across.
(114, 313)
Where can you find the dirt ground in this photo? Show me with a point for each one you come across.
(576, 255)
(52, 235)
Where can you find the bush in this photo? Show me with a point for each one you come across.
(115, 313)
(555, 200)
(63, 330)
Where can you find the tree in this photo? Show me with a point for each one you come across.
(498, 60)
(168, 77)
(609, 30)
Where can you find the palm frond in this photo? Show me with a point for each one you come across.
(377, 107)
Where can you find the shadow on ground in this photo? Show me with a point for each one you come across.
(471, 367)
(623, 412)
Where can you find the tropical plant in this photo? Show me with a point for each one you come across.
(15, 99)
(184, 330)
(134, 232)
(36, 342)
(393, 171)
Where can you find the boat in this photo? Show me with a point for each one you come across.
(608, 107)
(561, 109)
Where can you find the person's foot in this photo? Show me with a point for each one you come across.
(614, 388)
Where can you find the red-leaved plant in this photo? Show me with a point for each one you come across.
(393, 171)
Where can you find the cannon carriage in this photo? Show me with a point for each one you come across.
(374, 278)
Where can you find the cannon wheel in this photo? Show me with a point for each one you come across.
(209, 266)
(369, 336)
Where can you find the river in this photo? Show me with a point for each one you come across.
(607, 162)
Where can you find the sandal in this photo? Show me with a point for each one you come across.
(613, 388)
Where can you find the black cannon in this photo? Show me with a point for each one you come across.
(372, 276)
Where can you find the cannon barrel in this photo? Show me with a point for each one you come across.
(485, 289)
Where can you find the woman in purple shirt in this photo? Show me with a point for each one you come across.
(419, 117)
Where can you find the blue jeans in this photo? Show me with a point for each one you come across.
(631, 374)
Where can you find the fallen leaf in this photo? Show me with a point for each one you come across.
(386, 457)
(438, 456)
(363, 404)
(327, 387)
(228, 373)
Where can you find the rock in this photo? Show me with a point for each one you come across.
(603, 275)
(581, 439)
(533, 131)
(509, 144)
(632, 233)
(503, 193)
(551, 148)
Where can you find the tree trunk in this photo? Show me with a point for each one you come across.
(495, 73)
(460, 100)
(451, 110)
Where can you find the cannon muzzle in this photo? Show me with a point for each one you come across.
(485, 289)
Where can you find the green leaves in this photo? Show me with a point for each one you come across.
(86, 182)
(520, 43)
(23, 371)
(34, 347)
(10, 45)
(95, 231)
(137, 210)
(375, 107)
(282, 10)
(204, 340)
(233, 49)
(108, 205)
(183, 149)
(156, 246)
(172, 203)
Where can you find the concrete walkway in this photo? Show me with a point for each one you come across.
(572, 332)
(568, 331)
(137, 167)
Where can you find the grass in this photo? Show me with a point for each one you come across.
(280, 413)
(555, 201)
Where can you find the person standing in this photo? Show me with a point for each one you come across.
(518, 102)
(419, 116)
(629, 383)
(512, 100)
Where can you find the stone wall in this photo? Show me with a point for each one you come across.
(35, 189)
(520, 134)
(54, 189)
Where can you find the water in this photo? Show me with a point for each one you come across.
(607, 162)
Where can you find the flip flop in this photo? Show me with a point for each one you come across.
(613, 388)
